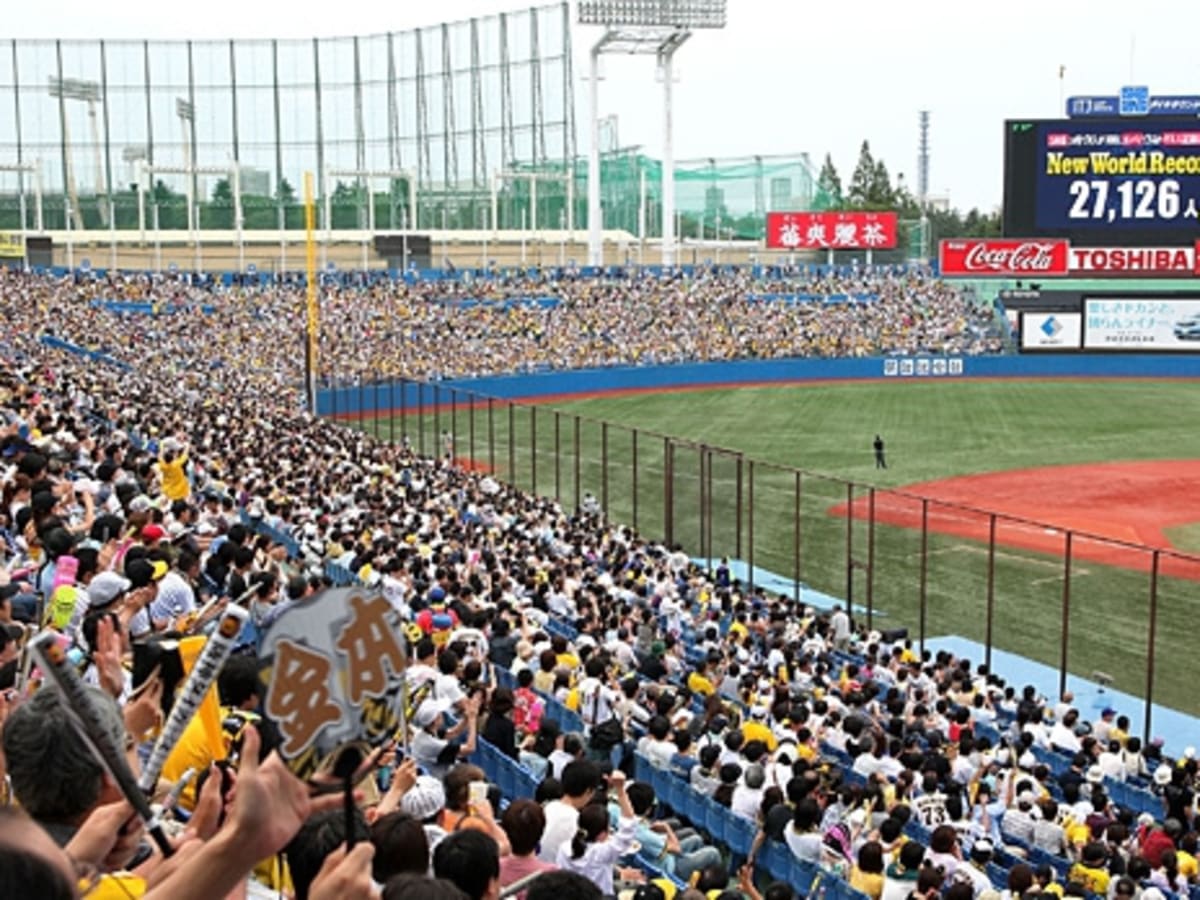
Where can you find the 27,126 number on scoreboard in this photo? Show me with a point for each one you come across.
(1125, 201)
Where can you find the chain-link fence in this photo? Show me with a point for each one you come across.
(1113, 612)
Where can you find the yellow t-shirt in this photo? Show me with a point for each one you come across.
(757, 731)
(698, 684)
(174, 481)
(1094, 881)
(1187, 865)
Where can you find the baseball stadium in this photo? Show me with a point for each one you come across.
(412, 491)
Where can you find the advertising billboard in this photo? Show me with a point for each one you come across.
(1103, 182)
(1142, 324)
(1051, 331)
(1003, 257)
(832, 230)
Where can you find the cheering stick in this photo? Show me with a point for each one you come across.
(89, 724)
(204, 672)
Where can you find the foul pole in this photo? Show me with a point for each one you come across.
(310, 256)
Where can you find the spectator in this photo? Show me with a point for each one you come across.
(593, 850)
(523, 822)
(471, 860)
(579, 782)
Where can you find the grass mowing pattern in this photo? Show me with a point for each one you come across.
(933, 430)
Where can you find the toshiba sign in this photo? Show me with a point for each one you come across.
(1162, 261)
(1049, 258)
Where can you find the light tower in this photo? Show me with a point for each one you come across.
(640, 26)
(63, 89)
(923, 179)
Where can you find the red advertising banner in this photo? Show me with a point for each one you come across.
(831, 230)
(1004, 257)
(1196, 257)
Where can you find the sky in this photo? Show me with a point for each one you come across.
(784, 76)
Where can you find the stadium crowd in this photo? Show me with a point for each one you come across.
(450, 329)
(896, 774)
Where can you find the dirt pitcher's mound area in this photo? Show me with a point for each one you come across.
(1124, 502)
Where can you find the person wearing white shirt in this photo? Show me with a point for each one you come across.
(597, 700)
(594, 849)
(747, 796)
(579, 780)
(1063, 736)
(659, 748)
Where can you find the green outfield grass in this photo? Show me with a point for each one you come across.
(933, 430)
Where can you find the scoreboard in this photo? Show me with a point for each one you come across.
(1103, 182)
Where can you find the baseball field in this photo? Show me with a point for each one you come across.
(1107, 466)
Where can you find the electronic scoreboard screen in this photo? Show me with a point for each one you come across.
(1103, 182)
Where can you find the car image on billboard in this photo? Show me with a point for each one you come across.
(1188, 329)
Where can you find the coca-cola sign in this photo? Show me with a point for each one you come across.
(1004, 257)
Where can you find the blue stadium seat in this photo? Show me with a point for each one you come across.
(739, 834)
(714, 820)
(775, 858)
(694, 809)
(642, 770)
(802, 876)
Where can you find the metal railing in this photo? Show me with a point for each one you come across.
(1088, 605)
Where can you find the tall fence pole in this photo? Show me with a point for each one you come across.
(471, 427)
(557, 456)
(991, 593)
(512, 441)
(421, 417)
(533, 449)
(454, 423)
(491, 429)
(392, 411)
(924, 589)
(1066, 619)
(634, 455)
(362, 403)
(850, 549)
(375, 419)
(871, 559)
(796, 543)
(403, 407)
(604, 468)
(578, 452)
(333, 397)
(708, 508)
(669, 492)
(437, 419)
(1150, 642)
(737, 515)
(750, 525)
(703, 550)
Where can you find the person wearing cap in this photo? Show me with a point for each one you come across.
(974, 870)
(144, 576)
(434, 747)
(757, 728)
(424, 801)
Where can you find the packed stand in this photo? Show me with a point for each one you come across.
(451, 329)
(827, 759)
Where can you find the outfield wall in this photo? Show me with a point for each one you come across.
(372, 398)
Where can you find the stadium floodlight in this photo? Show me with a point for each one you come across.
(680, 14)
(641, 26)
(88, 92)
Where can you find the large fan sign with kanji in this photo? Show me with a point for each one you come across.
(333, 671)
(854, 230)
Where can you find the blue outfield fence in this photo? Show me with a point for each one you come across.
(370, 398)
